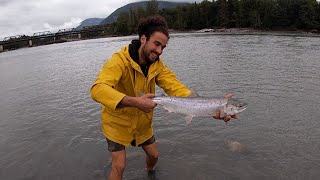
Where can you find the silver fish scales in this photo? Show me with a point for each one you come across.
(200, 106)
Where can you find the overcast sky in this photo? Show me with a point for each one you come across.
(26, 17)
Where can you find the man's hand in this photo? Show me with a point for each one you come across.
(226, 118)
(144, 103)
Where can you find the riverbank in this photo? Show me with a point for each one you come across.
(251, 31)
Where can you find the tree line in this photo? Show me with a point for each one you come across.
(257, 14)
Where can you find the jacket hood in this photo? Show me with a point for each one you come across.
(134, 50)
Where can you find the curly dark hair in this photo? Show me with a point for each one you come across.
(151, 24)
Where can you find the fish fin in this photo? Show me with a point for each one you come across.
(169, 110)
(193, 93)
(163, 94)
(188, 119)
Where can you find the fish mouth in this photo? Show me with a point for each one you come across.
(241, 106)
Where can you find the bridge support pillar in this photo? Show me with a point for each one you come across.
(79, 36)
(30, 43)
(1, 48)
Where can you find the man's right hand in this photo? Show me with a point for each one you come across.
(144, 103)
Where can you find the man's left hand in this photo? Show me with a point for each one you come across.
(226, 118)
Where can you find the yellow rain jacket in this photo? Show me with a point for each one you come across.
(121, 76)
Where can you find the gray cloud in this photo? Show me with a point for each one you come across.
(28, 16)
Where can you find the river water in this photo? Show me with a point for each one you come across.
(50, 126)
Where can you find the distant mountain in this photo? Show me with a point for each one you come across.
(90, 22)
(161, 5)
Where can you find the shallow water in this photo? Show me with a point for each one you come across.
(50, 127)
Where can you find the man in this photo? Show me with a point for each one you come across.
(124, 87)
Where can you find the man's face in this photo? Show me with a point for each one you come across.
(153, 47)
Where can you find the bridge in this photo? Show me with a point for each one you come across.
(14, 42)
(47, 37)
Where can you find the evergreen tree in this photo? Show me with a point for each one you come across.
(275, 15)
(267, 17)
(223, 19)
(243, 13)
(169, 15)
(122, 27)
(193, 20)
(318, 16)
(213, 14)
(152, 8)
(180, 22)
(204, 13)
(308, 15)
(232, 14)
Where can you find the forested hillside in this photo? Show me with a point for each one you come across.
(258, 14)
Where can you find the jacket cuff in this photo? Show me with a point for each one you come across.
(106, 95)
(114, 100)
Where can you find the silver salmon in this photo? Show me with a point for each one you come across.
(200, 106)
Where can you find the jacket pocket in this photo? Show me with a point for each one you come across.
(121, 116)
(145, 121)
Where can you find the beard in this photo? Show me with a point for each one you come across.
(150, 56)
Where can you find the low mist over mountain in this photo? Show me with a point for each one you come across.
(90, 22)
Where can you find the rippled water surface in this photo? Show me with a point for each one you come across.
(50, 127)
